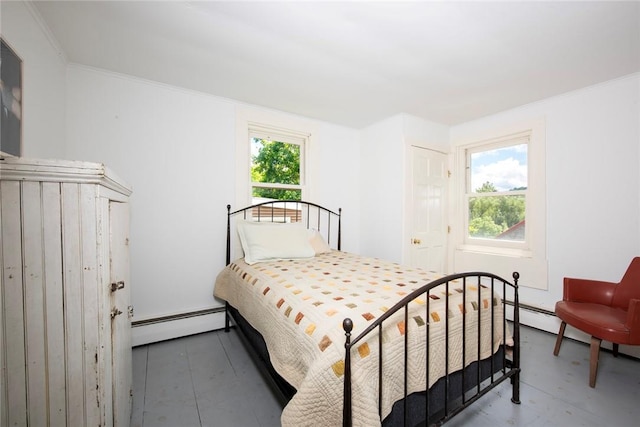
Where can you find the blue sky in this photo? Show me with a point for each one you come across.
(504, 167)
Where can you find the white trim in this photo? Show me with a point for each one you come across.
(496, 250)
(248, 119)
(513, 247)
(292, 137)
(161, 331)
(35, 13)
(285, 133)
(531, 261)
(23, 169)
(275, 185)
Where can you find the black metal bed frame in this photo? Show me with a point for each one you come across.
(509, 369)
(494, 372)
(270, 214)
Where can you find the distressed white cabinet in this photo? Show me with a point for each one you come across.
(66, 318)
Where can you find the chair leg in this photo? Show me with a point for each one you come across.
(615, 350)
(556, 350)
(593, 364)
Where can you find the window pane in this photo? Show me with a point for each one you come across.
(499, 169)
(278, 212)
(276, 193)
(497, 217)
(275, 162)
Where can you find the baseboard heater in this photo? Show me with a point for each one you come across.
(215, 310)
(179, 316)
(533, 308)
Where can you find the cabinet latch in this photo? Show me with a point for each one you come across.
(117, 285)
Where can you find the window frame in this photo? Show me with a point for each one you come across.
(287, 137)
(536, 197)
(487, 244)
(259, 120)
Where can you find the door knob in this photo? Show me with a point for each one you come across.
(415, 241)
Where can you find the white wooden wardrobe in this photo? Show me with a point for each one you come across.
(66, 318)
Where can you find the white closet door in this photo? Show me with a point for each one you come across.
(14, 385)
(121, 320)
(58, 251)
(428, 237)
(54, 302)
(34, 294)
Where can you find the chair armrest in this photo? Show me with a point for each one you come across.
(633, 321)
(584, 290)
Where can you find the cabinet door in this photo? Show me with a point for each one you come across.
(120, 313)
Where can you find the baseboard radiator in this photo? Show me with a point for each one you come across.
(179, 316)
(533, 308)
(162, 328)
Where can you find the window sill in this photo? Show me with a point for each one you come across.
(489, 250)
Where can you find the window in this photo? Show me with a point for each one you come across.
(496, 193)
(502, 194)
(277, 164)
(259, 172)
(500, 181)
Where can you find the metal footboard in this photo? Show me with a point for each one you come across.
(507, 365)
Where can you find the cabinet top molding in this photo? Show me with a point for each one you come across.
(23, 169)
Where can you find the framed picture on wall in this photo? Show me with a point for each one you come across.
(11, 101)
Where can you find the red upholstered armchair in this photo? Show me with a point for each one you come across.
(606, 311)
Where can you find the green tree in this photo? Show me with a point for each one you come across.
(490, 216)
(484, 227)
(487, 187)
(276, 162)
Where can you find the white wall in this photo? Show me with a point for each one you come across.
(592, 157)
(382, 174)
(424, 133)
(386, 181)
(177, 149)
(337, 175)
(43, 80)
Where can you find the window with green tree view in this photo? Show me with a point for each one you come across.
(496, 195)
(277, 166)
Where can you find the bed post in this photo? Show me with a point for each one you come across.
(339, 228)
(228, 261)
(228, 235)
(347, 325)
(515, 398)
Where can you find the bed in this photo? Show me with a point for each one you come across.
(354, 340)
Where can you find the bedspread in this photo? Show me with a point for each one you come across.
(298, 306)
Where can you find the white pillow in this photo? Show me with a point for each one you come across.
(272, 241)
(317, 242)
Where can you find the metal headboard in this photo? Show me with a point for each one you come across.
(312, 215)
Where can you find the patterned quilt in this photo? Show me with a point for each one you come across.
(298, 306)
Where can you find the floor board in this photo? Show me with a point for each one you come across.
(210, 380)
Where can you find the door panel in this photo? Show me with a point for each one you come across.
(120, 315)
(428, 235)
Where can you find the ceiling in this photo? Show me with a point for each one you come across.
(355, 63)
